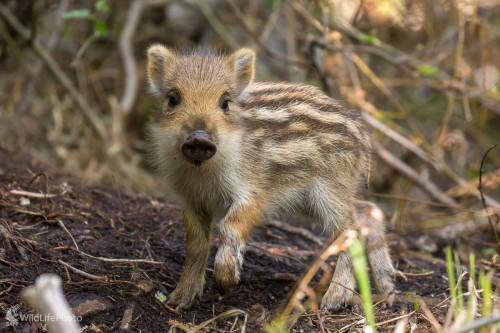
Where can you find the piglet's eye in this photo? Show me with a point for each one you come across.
(173, 98)
(224, 103)
(172, 101)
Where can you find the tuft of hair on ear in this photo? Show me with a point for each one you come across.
(159, 58)
(243, 62)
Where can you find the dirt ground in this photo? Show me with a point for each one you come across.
(108, 223)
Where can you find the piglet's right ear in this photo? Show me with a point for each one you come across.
(159, 57)
(243, 62)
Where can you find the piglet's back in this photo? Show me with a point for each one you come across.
(299, 132)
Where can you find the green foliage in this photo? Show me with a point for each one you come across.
(485, 285)
(101, 6)
(361, 269)
(369, 39)
(77, 14)
(277, 326)
(427, 70)
(100, 28)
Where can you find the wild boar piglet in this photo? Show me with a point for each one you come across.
(241, 150)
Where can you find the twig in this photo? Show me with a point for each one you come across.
(126, 261)
(295, 230)
(320, 321)
(406, 275)
(394, 319)
(405, 169)
(61, 224)
(131, 87)
(400, 139)
(89, 113)
(82, 273)
(340, 244)
(37, 68)
(430, 317)
(224, 315)
(471, 327)
(127, 316)
(217, 25)
(480, 188)
(267, 51)
(37, 195)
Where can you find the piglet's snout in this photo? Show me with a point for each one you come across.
(198, 147)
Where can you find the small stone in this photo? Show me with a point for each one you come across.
(23, 201)
(89, 306)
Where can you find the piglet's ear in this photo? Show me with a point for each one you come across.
(243, 62)
(159, 58)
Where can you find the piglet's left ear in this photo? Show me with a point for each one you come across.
(243, 62)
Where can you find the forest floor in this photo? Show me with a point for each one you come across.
(105, 222)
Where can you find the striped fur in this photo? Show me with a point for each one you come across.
(281, 148)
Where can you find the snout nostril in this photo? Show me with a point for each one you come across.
(198, 147)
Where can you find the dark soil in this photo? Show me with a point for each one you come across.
(106, 222)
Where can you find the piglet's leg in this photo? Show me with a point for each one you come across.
(190, 286)
(372, 217)
(234, 229)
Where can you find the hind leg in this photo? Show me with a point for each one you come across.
(382, 271)
(335, 212)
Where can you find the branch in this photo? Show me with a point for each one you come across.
(37, 68)
(405, 169)
(480, 188)
(89, 113)
(131, 87)
(267, 51)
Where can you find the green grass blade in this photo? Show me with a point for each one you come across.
(451, 278)
(458, 270)
(472, 278)
(361, 269)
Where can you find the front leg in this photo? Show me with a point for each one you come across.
(190, 286)
(234, 229)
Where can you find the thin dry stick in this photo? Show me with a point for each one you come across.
(89, 113)
(37, 68)
(82, 273)
(480, 188)
(295, 230)
(126, 261)
(482, 322)
(394, 319)
(430, 317)
(217, 25)
(267, 51)
(339, 245)
(61, 224)
(403, 141)
(125, 45)
(405, 169)
(38, 195)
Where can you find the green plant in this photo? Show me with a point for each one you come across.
(361, 269)
(100, 7)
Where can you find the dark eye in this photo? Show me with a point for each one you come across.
(172, 101)
(224, 103)
(173, 98)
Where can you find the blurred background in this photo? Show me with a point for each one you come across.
(424, 73)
